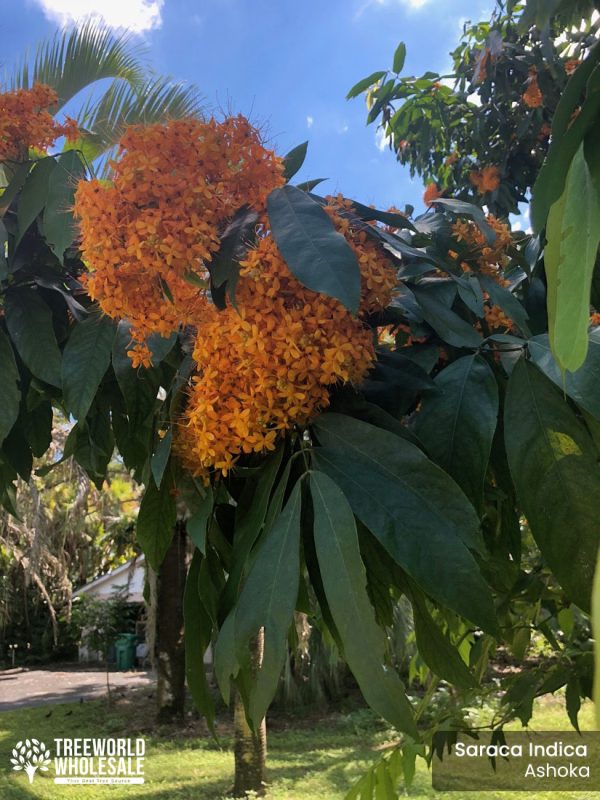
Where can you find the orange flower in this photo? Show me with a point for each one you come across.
(571, 65)
(595, 319)
(485, 180)
(26, 122)
(545, 132)
(431, 193)
(532, 96)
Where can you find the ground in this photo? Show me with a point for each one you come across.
(20, 688)
(311, 757)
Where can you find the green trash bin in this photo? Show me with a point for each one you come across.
(125, 650)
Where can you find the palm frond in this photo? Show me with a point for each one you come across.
(157, 100)
(76, 58)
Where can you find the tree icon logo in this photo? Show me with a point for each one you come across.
(30, 756)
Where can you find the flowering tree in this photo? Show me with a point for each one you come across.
(345, 404)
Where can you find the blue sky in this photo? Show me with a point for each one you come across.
(287, 64)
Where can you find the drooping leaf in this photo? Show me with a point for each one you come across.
(198, 630)
(29, 323)
(156, 522)
(10, 394)
(344, 581)
(34, 194)
(573, 234)
(435, 648)
(582, 385)
(293, 161)
(59, 223)
(197, 524)
(365, 84)
(415, 510)
(86, 358)
(457, 424)
(160, 458)
(555, 469)
(267, 600)
(236, 238)
(315, 252)
(445, 322)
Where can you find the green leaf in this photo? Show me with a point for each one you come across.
(59, 224)
(448, 325)
(344, 581)
(567, 135)
(198, 630)
(33, 196)
(365, 84)
(37, 427)
(29, 323)
(86, 358)
(554, 466)
(399, 57)
(294, 160)
(235, 241)
(414, 509)
(596, 637)
(582, 385)
(308, 186)
(457, 425)
(573, 233)
(14, 186)
(197, 524)
(156, 522)
(573, 700)
(315, 252)
(139, 387)
(160, 458)
(268, 600)
(10, 394)
(436, 649)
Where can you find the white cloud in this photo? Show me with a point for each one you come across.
(381, 140)
(133, 15)
(309, 122)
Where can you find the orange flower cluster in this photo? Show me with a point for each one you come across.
(270, 365)
(148, 236)
(532, 97)
(571, 65)
(431, 193)
(486, 179)
(490, 259)
(26, 122)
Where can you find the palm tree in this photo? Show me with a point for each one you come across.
(110, 75)
(105, 81)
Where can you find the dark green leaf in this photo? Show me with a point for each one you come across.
(197, 524)
(436, 649)
(160, 459)
(29, 322)
(315, 252)
(198, 630)
(86, 358)
(457, 425)
(268, 599)
(156, 522)
(554, 466)
(445, 322)
(344, 581)
(59, 223)
(293, 161)
(415, 509)
(10, 395)
(308, 186)
(37, 427)
(34, 195)
(581, 386)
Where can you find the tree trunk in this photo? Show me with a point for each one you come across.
(250, 749)
(169, 650)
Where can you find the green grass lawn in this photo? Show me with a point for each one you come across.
(316, 758)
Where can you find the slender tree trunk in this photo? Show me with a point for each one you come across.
(169, 652)
(250, 749)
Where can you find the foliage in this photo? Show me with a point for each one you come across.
(101, 620)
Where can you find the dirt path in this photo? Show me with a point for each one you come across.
(63, 684)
